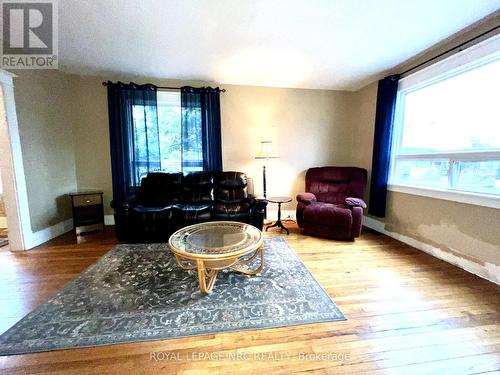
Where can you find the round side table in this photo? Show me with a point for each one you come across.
(279, 223)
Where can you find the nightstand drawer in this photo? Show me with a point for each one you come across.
(88, 210)
(86, 200)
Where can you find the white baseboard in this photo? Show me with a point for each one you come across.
(109, 219)
(285, 214)
(488, 271)
(46, 234)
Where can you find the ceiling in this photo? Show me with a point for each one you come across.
(317, 44)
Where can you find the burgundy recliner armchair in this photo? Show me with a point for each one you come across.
(332, 205)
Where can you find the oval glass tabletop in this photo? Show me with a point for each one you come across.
(215, 238)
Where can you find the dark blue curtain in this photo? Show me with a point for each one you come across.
(201, 121)
(384, 118)
(134, 136)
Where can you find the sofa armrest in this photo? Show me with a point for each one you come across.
(355, 202)
(258, 205)
(306, 198)
(257, 201)
(121, 205)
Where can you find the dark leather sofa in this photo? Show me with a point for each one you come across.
(166, 202)
(332, 205)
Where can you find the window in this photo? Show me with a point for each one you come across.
(447, 127)
(174, 150)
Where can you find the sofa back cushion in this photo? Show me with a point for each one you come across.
(334, 184)
(160, 189)
(230, 187)
(199, 187)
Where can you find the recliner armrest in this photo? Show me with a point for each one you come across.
(306, 198)
(355, 202)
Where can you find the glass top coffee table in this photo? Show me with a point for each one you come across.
(217, 245)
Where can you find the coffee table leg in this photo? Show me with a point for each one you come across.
(184, 263)
(244, 271)
(206, 278)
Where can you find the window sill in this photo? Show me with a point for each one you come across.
(454, 196)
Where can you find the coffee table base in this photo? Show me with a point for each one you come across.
(208, 269)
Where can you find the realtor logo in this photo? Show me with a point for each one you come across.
(29, 31)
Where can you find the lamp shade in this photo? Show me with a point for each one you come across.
(266, 151)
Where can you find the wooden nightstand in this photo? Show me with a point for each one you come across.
(88, 210)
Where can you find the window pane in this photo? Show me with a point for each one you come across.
(459, 113)
(431, 173)
(178, 152)
(169, 123)
(192, 152)
(145, 140)
(479, 176)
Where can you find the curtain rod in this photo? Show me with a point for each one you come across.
(451, 49)
(104, 83)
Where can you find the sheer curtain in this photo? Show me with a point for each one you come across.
(201, 127)
(134, 135)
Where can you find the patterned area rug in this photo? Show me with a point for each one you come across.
(137, 293)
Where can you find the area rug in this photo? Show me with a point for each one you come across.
(137, 293)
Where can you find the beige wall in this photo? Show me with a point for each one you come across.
(467, 230)
(309, 128)
(45, 115)
(91, 138)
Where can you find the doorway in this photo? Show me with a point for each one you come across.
(14, 194)
(4, 240)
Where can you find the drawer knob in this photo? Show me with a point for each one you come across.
(87, 200)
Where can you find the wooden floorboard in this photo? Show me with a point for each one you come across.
(408, 313)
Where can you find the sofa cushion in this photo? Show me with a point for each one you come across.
(187, 213)
(231, 211)
(149, 222)
(328, 231)
(151, 209)
(328, 214)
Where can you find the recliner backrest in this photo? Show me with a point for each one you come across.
(199, 187)
(334, 184)
(159, 189)
(230, 187)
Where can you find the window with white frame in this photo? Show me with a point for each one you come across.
(447, 126)
(175, 153)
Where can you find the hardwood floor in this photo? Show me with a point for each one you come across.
(408, 313)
